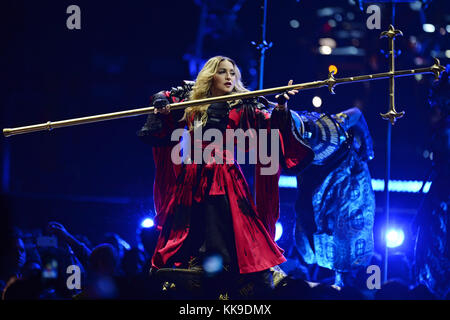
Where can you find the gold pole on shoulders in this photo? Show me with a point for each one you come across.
(330, 82)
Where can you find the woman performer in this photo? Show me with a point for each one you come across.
(207, 208)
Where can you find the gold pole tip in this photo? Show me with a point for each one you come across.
(392, 116)
(7, 132)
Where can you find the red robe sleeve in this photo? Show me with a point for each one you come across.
(165, 178)
(166, 171)
(294, 155)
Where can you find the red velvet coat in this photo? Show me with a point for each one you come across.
(253, 224)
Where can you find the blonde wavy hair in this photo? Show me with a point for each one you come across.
(202, 89)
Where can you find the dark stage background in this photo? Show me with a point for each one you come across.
(98, 178)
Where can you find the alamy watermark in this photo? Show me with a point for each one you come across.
(207, 146)
(374, 20)
(74, 20)
(74, 280)
(374, 280)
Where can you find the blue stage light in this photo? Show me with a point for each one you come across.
(147, 223)
(412, 186)
(213, 264)
(288, 182)
(394, 237)
(428, 27)
(278, 231)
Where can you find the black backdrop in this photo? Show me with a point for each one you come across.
(98, 177)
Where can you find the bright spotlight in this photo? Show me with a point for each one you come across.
(213, 263)
(325, 50)
(394, 237)
(329, 42)
(294, 23)
(278, 231)
(428, 27)
(416, 5)
(147, 223)
(317, 102)
(332, 23)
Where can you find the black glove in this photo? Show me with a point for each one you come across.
(281, 99)
(159, 100)
(217, 116)
(154, 122)
(151, 132)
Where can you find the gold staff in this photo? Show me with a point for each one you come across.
(330, 82)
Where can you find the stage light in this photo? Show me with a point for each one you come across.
(447, 53)
(317, 102)
(278, 231)
(412, 186)
(405, 186)
(294, 23)
(427, 185)
(348, 51)
(147, 223)
(329, 42)
(416, 5)
(419, 61)
(427, 27)
(288, 182)
(332, 68)
(394, 237)
(213, 264)
(447, 28)
(325, 12)
(325, 50)
(377, 185)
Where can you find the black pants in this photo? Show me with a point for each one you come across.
(211, 233)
